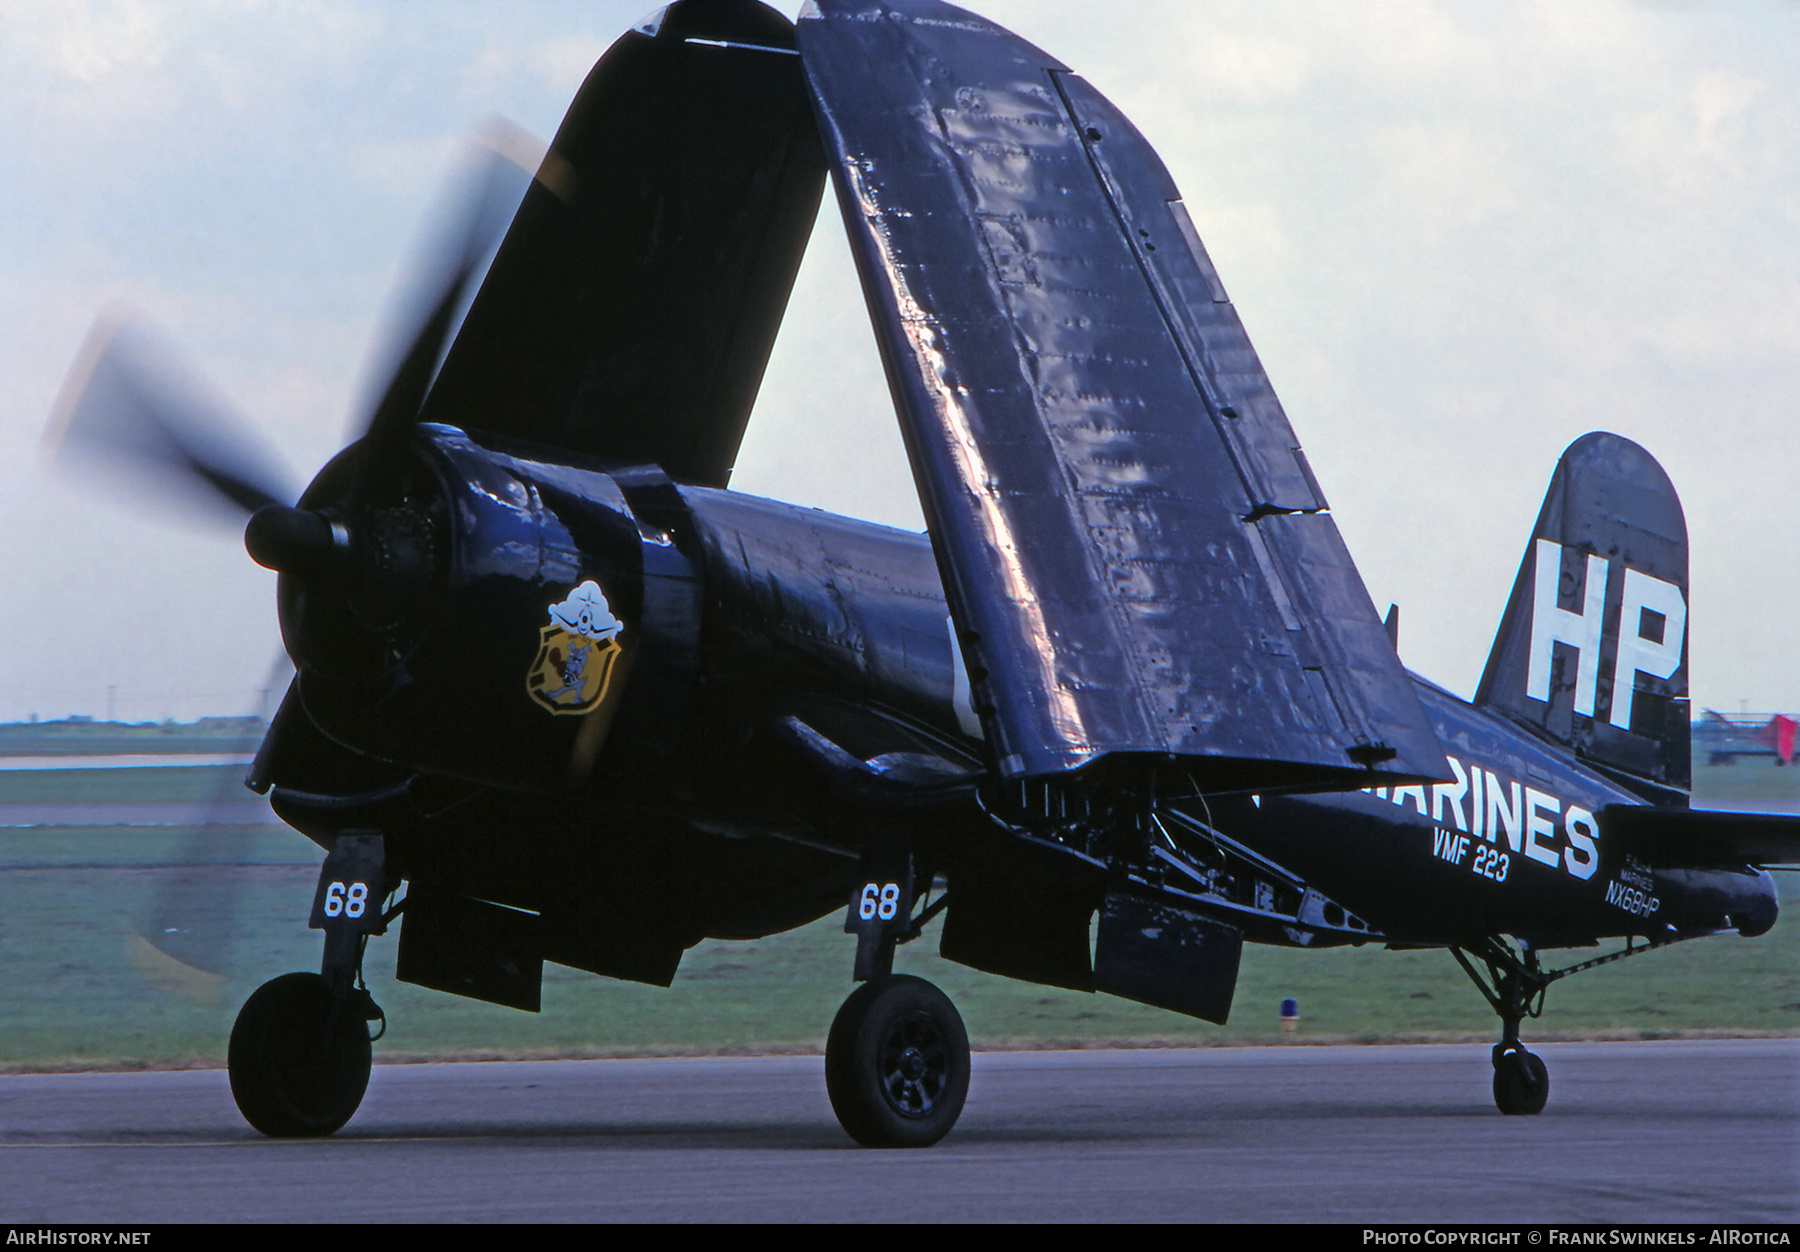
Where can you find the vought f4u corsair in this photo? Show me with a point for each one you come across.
(561, 696)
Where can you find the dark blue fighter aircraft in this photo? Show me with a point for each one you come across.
(562, 697)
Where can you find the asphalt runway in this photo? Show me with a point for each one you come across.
(1644, 1132)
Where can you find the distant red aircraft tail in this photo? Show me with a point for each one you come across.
(1779, 734)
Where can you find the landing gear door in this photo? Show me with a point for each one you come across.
(880, 907)
(1154, 954)
(352, 885)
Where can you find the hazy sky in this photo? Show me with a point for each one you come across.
(1460, 235)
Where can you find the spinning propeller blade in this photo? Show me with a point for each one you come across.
(503, 162)
(296, 540)
(129, 405)
(186, 940)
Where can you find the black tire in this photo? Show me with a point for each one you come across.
(1521, 1083)
(289, 1081)
(897, 1063)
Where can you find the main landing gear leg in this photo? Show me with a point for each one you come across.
(299, 1055)
(1518, 983)
(897, 1058)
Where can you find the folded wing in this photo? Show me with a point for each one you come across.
(631, 309)
(1137, 557)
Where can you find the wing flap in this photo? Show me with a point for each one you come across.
(1133, 549)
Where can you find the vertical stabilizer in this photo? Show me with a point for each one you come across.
(1592, 652)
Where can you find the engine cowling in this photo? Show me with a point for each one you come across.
(486, 614)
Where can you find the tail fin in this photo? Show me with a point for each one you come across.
(1592, 652)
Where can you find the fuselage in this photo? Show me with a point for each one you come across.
(1510, 845)
(781, 667)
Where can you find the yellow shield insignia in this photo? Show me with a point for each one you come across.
(576, 652)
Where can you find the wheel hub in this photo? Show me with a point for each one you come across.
(915, 1065)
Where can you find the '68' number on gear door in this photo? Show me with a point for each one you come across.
(350, 903)
(879, 900)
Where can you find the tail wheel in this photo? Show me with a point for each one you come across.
(1521, 1083)
(294, 1071)
(897, 1063)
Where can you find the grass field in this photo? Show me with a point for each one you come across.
(75, 993)
(187, 785)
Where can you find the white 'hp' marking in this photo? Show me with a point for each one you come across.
(1638, 653)
(1551, 625)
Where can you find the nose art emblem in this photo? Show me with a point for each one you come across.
(576, 653)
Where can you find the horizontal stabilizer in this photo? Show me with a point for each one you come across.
(1696, 839)
(1135, 554)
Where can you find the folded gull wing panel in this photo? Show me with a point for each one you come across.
(631, 309)
(1135, 552)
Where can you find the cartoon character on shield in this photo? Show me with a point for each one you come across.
(576, 653)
